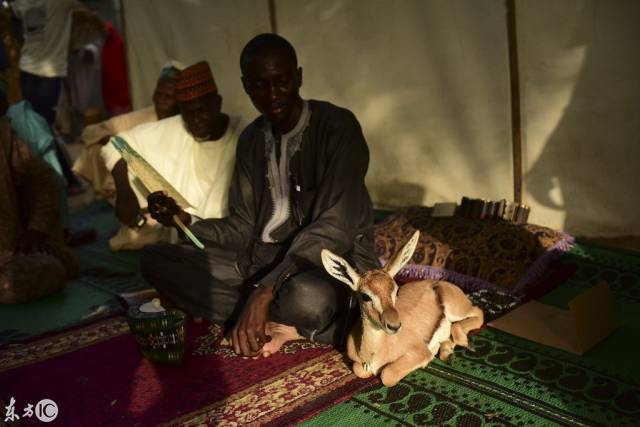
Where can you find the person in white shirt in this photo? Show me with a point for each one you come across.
(46, 29)
(194, 151)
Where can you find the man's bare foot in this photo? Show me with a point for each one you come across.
(279, 334)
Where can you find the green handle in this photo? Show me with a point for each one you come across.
(188, 232)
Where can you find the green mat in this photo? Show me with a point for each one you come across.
(86, 298)
(511, 381)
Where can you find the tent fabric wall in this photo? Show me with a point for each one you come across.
(190, 31)
(429, 81)
(580, 68)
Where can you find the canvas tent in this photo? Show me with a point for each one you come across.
(429, 81)
(432, 82)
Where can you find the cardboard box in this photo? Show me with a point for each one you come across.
(589, 320)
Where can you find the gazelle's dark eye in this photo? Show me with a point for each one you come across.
(365, 297)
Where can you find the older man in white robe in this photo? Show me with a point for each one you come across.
(90, 165)
(194, 151)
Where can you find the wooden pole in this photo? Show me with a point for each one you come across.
(127, 63)
(272, 16)
(516, 119)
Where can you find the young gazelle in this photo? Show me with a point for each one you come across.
(402, 329)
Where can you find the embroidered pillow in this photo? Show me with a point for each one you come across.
(472, 253)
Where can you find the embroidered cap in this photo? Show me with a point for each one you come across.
(195, 81)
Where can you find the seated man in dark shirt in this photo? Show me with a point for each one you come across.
(298, 187)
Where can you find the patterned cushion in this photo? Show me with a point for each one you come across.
(474, 254)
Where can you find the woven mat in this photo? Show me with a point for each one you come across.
(96, 376)
(511, 381)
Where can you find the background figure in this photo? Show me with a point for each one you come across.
(4, 76)
(33, 259)
(33, 130)
(46, 29)
(115, 89)
(82, 88)
(84, 84)
(90, 164)
(10, 47)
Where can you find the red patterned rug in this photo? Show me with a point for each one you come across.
(97, 376)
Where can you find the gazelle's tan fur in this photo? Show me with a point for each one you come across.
(402, 329)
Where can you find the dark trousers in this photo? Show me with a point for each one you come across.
(42, 93)
(209, 283)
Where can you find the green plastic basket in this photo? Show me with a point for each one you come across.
(160, 336)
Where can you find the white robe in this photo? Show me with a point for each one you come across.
(89, 163)
(200, 171)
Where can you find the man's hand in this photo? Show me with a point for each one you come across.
(248, 335)
(127, 207)
(33, 242)
(162, 208)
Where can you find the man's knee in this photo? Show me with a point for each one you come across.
(154, 260)
(151, 257)
(308, 301)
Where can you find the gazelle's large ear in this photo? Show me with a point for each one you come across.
(340, 269)
(403, 255)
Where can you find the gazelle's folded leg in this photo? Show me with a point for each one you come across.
(414, 358)
(459, 330)
(446, 353)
